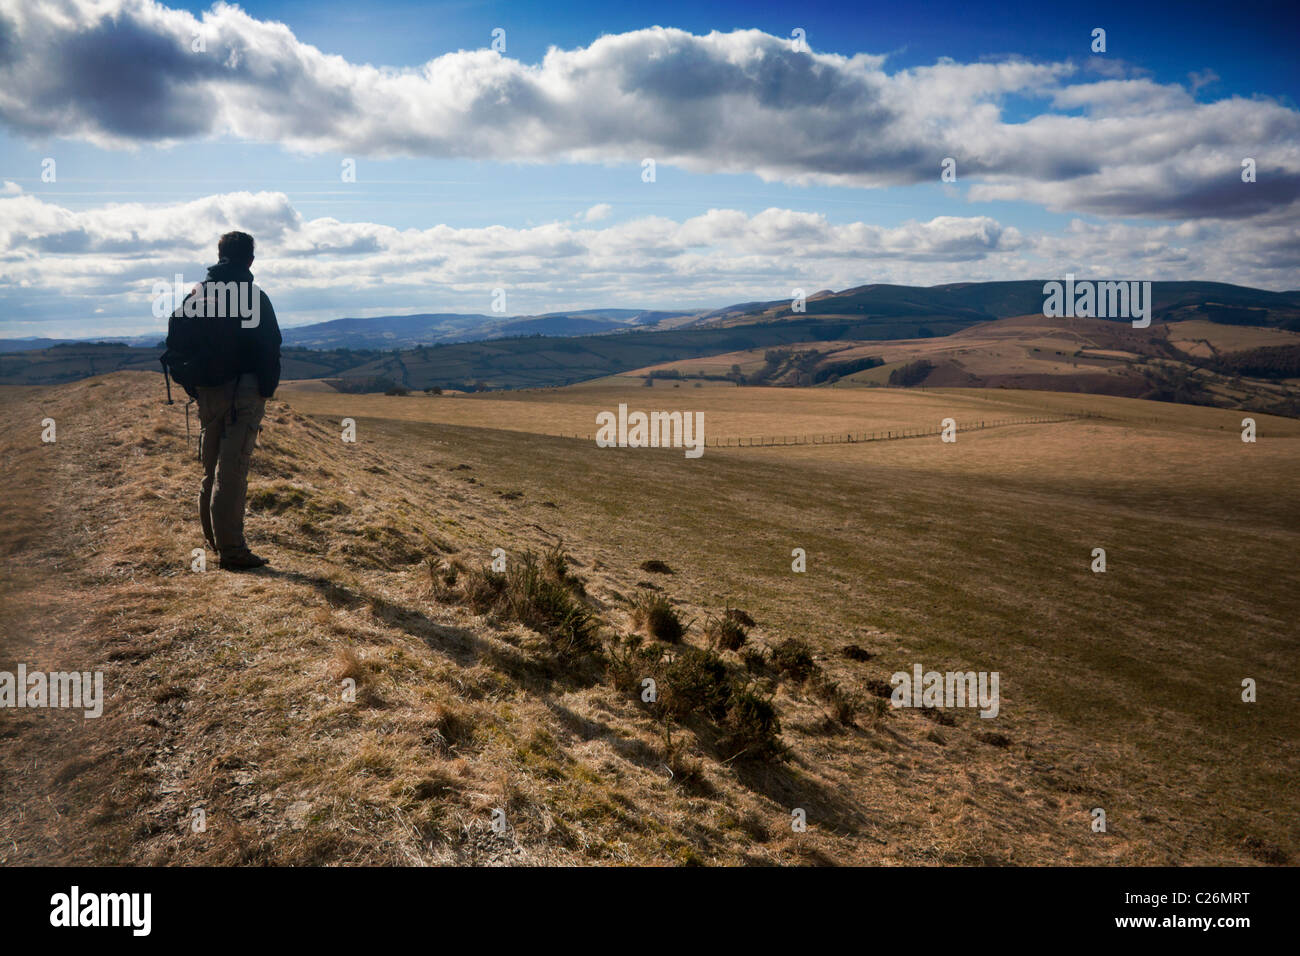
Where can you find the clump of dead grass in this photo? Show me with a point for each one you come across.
(656, 614)
(726, 632)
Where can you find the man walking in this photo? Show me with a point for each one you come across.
(234, 339)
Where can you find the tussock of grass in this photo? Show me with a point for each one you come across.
(843, 704)
(348, 665)
(452, 730)
(938, 715)
(1265, 851)
(739, 616)
(277, 499)
(688, 771)
(879, 688)
(383, 546)
(793, 658)
(656, 614)
(726, 633)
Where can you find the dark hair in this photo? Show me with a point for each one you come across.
(235, 246)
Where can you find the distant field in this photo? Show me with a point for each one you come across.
(728, 411)
(1196, 336)
(754, 412)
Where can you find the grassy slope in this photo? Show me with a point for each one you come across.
(1119, 690)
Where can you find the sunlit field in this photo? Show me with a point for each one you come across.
(1120, 690)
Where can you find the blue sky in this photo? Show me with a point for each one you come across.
(1169, 39)
(799, 215)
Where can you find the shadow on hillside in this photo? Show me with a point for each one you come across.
(784, 782)
(461, 645)
(787, 785)
(581, 726)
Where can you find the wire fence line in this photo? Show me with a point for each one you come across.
(887, 434)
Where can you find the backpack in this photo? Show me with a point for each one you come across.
(200, 352)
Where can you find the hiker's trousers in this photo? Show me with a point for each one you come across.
(230, 417)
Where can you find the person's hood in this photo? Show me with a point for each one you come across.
(227, 271)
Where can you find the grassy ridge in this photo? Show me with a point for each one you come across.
(1119, 690)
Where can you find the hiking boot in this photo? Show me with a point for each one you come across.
(242, 562)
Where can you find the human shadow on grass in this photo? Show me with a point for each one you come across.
(531, 667)
(460, 644)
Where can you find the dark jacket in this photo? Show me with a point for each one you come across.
(227, 346)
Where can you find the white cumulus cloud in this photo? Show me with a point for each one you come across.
(123, 72)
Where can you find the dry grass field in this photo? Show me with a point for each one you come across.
(729, 412)
(1119, 690)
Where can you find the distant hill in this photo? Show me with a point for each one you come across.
(967, 302)
(70, 362)
(526, 362)
(472, 351)
(409, 331)
(33, 344)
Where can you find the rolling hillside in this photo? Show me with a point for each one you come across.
(548, 351)
(1194, 361)
(226, 692)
